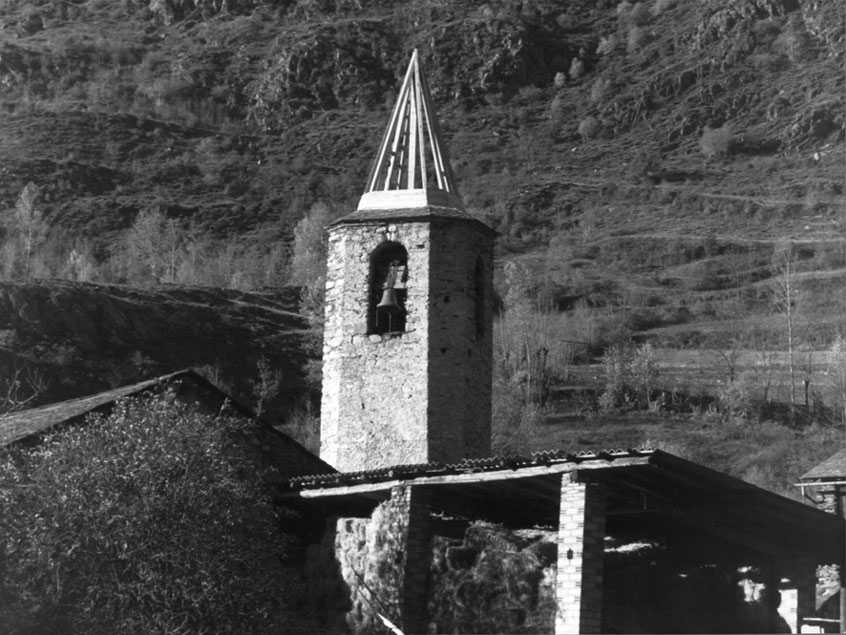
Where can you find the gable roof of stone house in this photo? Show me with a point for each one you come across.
(833, 468)
(651, 488)
(290, 457)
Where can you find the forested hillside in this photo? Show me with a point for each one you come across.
(666, 173)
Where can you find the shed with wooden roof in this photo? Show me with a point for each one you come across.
(706, 533)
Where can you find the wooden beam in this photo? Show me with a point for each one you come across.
(466, 477)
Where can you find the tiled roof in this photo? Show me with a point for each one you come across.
(833, 467)
(19, 425)
(466, 466)
(286, 453)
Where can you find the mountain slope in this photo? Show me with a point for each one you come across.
(73, 339)
(645, 160)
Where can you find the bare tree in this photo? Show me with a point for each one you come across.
(784, 295)
(308, 263)
(19, 386)
(155, 247)
(726, 355)
(25, 231)
(31, 225)
(528, 346)
(266, 385)
(836, 367)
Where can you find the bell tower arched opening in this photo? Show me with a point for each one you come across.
(386, 312)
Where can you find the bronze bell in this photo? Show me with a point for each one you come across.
(388, 302)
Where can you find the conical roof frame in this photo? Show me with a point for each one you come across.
(412, 168)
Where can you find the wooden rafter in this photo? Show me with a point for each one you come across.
(412, 168)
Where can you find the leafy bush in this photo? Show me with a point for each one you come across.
(716, 143)
(588, 128)
(151, 520)
(640, 14)
(577, 68)
(516, 424)
(600, 90)
(308, 263)
(630, 376)
(739, 398)
(560, 79)
(303, 425)
(645, 163)
(663, 5)
(635, 39)
(607, 45)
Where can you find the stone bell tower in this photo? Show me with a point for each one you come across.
(407, 340)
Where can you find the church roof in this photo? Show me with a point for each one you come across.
(832, 468)
(289, 456)
(412, 168)
(20, 425)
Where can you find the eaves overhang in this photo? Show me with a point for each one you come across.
(419, 213)
(647, 490)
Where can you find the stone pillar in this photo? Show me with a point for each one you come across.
(417, 557)
(581, 552)
(410, 511)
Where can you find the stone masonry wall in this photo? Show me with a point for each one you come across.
(419, 396)
(367, 567)
(460, 354)
(373, 410)
(493, 579)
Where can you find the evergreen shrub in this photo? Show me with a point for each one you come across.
(154, 519)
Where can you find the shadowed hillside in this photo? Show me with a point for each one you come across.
(72, 339)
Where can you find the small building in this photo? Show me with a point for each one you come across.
(422, 522)
(827, 481)
(287, 455)
(825, 485)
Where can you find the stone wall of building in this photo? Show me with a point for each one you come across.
(373, 409)
(417, 396)
(365, 568)
(491, 579)
(398, 563)
(460, 345)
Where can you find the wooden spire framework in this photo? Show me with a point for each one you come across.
(412, 168)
